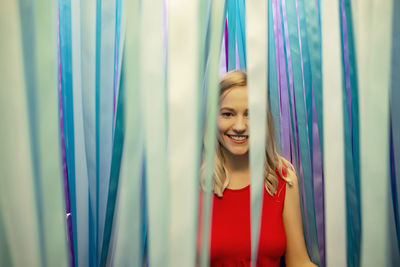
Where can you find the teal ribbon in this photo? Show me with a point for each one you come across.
(216, 33)
(395, 116)
(296, 82)
(231, 11)
(105, 112)
(114, 175)
(351, 137)
(273, 89)
(67, 108)
(241, 32)
(127, 229)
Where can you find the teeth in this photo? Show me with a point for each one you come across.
(238, 138)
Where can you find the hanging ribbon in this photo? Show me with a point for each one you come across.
(128, 218)
(296, 82)
(257, 62)
(184, 132)
(334, 169)
(241, 33)
(154, 96)
(373, 42)
(395, 118)
(231, 40)
(18, 209)
(350, 110)
(273, 90)
(212, 78)
(105, 111)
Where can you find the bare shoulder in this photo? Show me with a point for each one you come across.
(296, 252)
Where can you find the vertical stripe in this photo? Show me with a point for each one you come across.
(153, 97)
(67, 112)
(185, 140)
(257, 63)
(231, 23)
(395, 117)
(374, 32)
(212, 87)
(81, 174)
(334, 172)
(105, 112)
(16, 202)
(127, 227)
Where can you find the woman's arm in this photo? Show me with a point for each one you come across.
(296, 253)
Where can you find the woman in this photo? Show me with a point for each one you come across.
(281, 227)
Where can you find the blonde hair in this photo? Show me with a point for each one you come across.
(273, 162)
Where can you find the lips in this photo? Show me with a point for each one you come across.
(238, 139)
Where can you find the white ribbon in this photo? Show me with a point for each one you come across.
(335, 199)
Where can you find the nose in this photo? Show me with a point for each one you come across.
(240, 125)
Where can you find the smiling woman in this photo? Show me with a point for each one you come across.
(281, 225)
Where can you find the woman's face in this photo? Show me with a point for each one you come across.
(233, 121)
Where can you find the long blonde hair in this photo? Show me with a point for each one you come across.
(273, 162)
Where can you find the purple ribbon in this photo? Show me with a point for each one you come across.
(286, 140)
(226, 44)
(318, 183)
(70, 237)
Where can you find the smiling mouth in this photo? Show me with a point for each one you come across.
(239, 139)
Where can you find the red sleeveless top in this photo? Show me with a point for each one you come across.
(230, 228)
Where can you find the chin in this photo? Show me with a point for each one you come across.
(238, 152)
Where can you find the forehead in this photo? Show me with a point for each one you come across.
(235, 97)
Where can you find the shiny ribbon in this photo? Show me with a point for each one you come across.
(334, 169)
(67, 115)
(231, 40)
(273, 89)
(216, 35)
(395, 117)
(105, 113)
(241, 33)
(373, 42)
(353, 211)
(154, 112)
(183, 127)
(17, 203)
(81, 171)
(114, 176)
(128, 222)
(257, 63)
(296, 82)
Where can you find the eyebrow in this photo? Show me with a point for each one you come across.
(230, 109)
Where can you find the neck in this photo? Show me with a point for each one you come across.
(238, 169)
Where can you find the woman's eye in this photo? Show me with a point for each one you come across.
(227, 114)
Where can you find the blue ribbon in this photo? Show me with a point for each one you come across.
(67, 111)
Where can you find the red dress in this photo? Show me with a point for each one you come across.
(230, 230)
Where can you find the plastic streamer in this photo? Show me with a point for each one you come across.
(231, 40)
(351, 130)
(105, 111)
(373, 42)
(154, 112)
(297, 92)
(241, 33)
(216, 35)
(334, 169)
(273, 89)
(21, 235)
(395, 118)
(81, 172)
(257, 62)
(128, 222)
(66, 89)
(184, 134)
